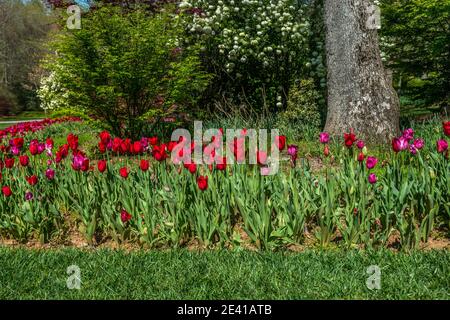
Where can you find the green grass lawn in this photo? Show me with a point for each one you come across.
(180, 274)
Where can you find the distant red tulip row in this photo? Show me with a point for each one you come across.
(33, 126)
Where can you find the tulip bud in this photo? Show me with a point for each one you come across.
(326, 151)
(364, 150)
(432, 174)
(361, 157)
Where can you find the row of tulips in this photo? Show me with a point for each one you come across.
(363, 201)
(33, 126)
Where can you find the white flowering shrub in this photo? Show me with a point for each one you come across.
(51, 94)
(256, 48)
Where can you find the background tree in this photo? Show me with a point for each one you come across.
(416, 41)
(23, 28)
(360, 93)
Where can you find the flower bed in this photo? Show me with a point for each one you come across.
(136, 193)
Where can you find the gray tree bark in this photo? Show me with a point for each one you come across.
(360, 93)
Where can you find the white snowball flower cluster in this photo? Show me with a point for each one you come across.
(265, 31)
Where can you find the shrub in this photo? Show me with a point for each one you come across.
(254, 47)
(126, 68)
(51, 95)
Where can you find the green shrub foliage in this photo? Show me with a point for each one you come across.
(126, 69)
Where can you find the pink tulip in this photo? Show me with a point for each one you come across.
(41, 147)
(292, 150)
(324, 137)
(265, 171)
(15, 150)
(408, 134)
(419, 143)
(371, 162)
(360, 144)
(412, 149)
(399, 144)
(50, 174)
(372, 178)
(442, 146)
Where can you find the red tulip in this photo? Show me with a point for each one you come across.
(153, 141)
(202, 182)
(72, 140)
(280, 142)
(85, 165)
(238, 149)
(9, 163)
(261, 157)
(125, 216)
(223, 165)
(18, 142)
(33, 180)
(123, 172)
(24, 160)
(163, 147)
(125, 146)
(34, 149)
(192, 167)
(101, 147)
(137, 147)
(446, 127)
(64, 149)
(105, 137)
(159, 152)
(144, 165)
(6, 191)
(116, 144)
(159, 156)
(349, 138)
(102, 165)
(171, 145)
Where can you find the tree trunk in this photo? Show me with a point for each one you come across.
(360, 94)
